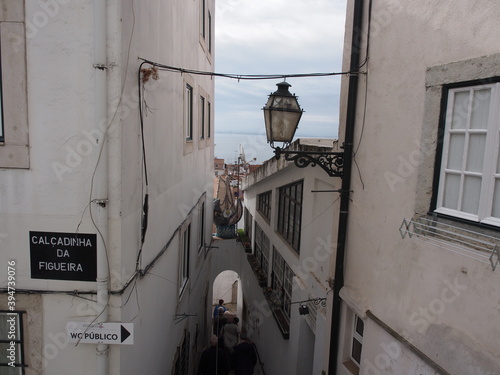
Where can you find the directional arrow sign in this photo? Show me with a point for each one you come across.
(100, 333)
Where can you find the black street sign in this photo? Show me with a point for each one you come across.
(63, 256)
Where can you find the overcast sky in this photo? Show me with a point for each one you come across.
(278, 37)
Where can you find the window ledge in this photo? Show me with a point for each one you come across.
(279, 315)
(264, 217)
(261, 276)
(282, 321)
(245, 241)
(351, 367)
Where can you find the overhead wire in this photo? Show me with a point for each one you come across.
(142, 272)
(242, 77)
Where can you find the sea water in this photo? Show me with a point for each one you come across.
(227, 147)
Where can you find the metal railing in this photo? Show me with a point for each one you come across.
(472, 244)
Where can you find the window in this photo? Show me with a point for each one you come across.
(357, 339)
(469, 178)
(189, 112)
(248, 223)
(181, 361)
(203, 7)
(14, 140)
(209, 120)
(264, 204)
(354, 343)
(282, 279)
(184, 259)
(202, 117)
(201, 219)
(262, 249)
(2, 139)
(11, 343)
(290, 213)
(209, 32)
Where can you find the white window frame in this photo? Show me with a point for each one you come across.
(289, 223)
(184, 259)
(2, 133)
(264, 204)
(209, 120)
(262, 248)
(189, 98)
(203, 20)
(489, 171)
(201, 224)
(202, 116)
(14, 148)
(209, 15)
(282, 282)
(358, 337)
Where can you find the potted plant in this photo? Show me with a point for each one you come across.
(245, 240)
(262, 277)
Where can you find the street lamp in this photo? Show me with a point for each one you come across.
(282, 114)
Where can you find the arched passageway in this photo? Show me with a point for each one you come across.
(227, 287)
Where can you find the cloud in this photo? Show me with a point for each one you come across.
(278, 37)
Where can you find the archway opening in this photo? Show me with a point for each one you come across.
(227, 287)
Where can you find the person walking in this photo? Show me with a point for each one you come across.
(219, 322)
(214, 360)
(244, 357)
(230, 334)
(217, 308)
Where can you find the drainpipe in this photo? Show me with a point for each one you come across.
(100, 181)
(346, 185)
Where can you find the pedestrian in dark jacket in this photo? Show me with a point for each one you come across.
(244, 358)
(214, 360)
(219, 322)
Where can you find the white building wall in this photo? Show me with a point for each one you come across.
(180, 177)
(402, 281)
(303, 352)
(53, 194)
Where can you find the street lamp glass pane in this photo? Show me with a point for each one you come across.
(280, 123)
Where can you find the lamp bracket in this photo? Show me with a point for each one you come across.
(331, 162)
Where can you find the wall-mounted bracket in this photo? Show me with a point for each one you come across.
(331, 162)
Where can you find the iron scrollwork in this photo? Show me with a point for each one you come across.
(331, 162)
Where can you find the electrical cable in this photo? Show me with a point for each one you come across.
(138, 273)
(241, 77)
(145, 205)
(141, 119)
(89, 204)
